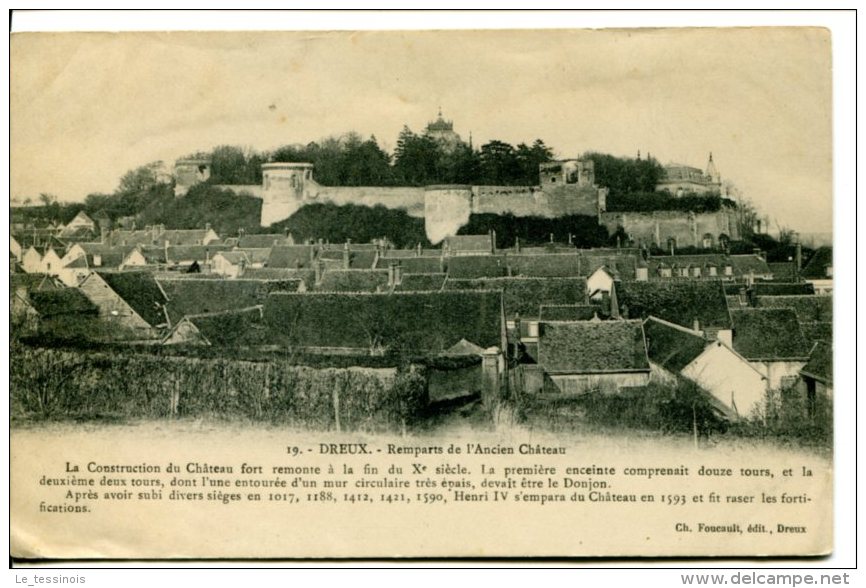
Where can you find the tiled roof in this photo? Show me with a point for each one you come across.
(110, 256)
(415, 265)
(190, 253)
(354, 280)
(464, 347)
(262, 241)
(622, 265)
(745, 264)
(783, 288)
(64, 301)
(241, 327)
(476, 266)
(678, 302)
(234, 257)
(568, 312)
(256, 255)
(183, 237)
(480, 243)
(672, 346)
(808, 308)
(140, 291)
(362, 259)
(291, 256)
(526, 295)
(784, 271)
(815, 331)
(420, 321)
(816, 267)
(586, 347)
(820, 365)
(404, 253)
(555, 265)
(191, 297)
(421, 282)
(308, 276)
(771, 334)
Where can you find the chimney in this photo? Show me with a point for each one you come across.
(758, 253)
(207, 226)
(617, 241)
(165, 250)
(696, 325)
(241, 233)
(319, 266)
(398, 274)
(492, 241)
(624, 311)
(347, 259)
(392, 271)
(103, 234)
(798, 260)
(551, 237)
(571, 240)
(517, 325)
(673, 245)
(297, 263)
(207, 255)
(517, 244)
(418, 250)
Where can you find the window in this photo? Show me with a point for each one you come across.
(729, 271)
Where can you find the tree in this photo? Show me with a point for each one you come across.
(498, 163)
(415, 159)
(140, 179)
(529, 159)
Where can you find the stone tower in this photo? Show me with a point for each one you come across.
(188, 173)
(285, 187)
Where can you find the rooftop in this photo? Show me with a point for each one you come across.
(592, 347)
(769, 334)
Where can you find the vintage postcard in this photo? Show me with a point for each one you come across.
(427, 294)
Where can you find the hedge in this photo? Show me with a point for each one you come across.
(59, 384)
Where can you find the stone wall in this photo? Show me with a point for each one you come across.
(408, 198)
(689, 229)
(550, 202)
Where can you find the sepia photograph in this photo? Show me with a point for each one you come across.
(560, 293)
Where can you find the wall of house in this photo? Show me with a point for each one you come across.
(658, 226)
(573, 385)
(729, 378)
(775, 371)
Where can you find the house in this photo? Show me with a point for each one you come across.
(133, 302)
(15, 248)
(817, 374)
(230, 264)
(181, 257)
(554, 265)
(600, 283)
(357, 280)
(771, 339)
(101, 256)
(818, 271)
(195, 296)
(348, 258)
(414, 264)
(242, 327)
(621, 263)
(736, 387)
(373, 323)
(256, 256)
(420, 282)
(585, 356)
(187, 237)
(700, 305)
(82, 227)
(65, 313)
(476, 266)
(709, 266)
(52, 261)
(470, 244)
(292, 256)
(264, 240)
(808, 308)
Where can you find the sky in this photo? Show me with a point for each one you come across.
(87, 107)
